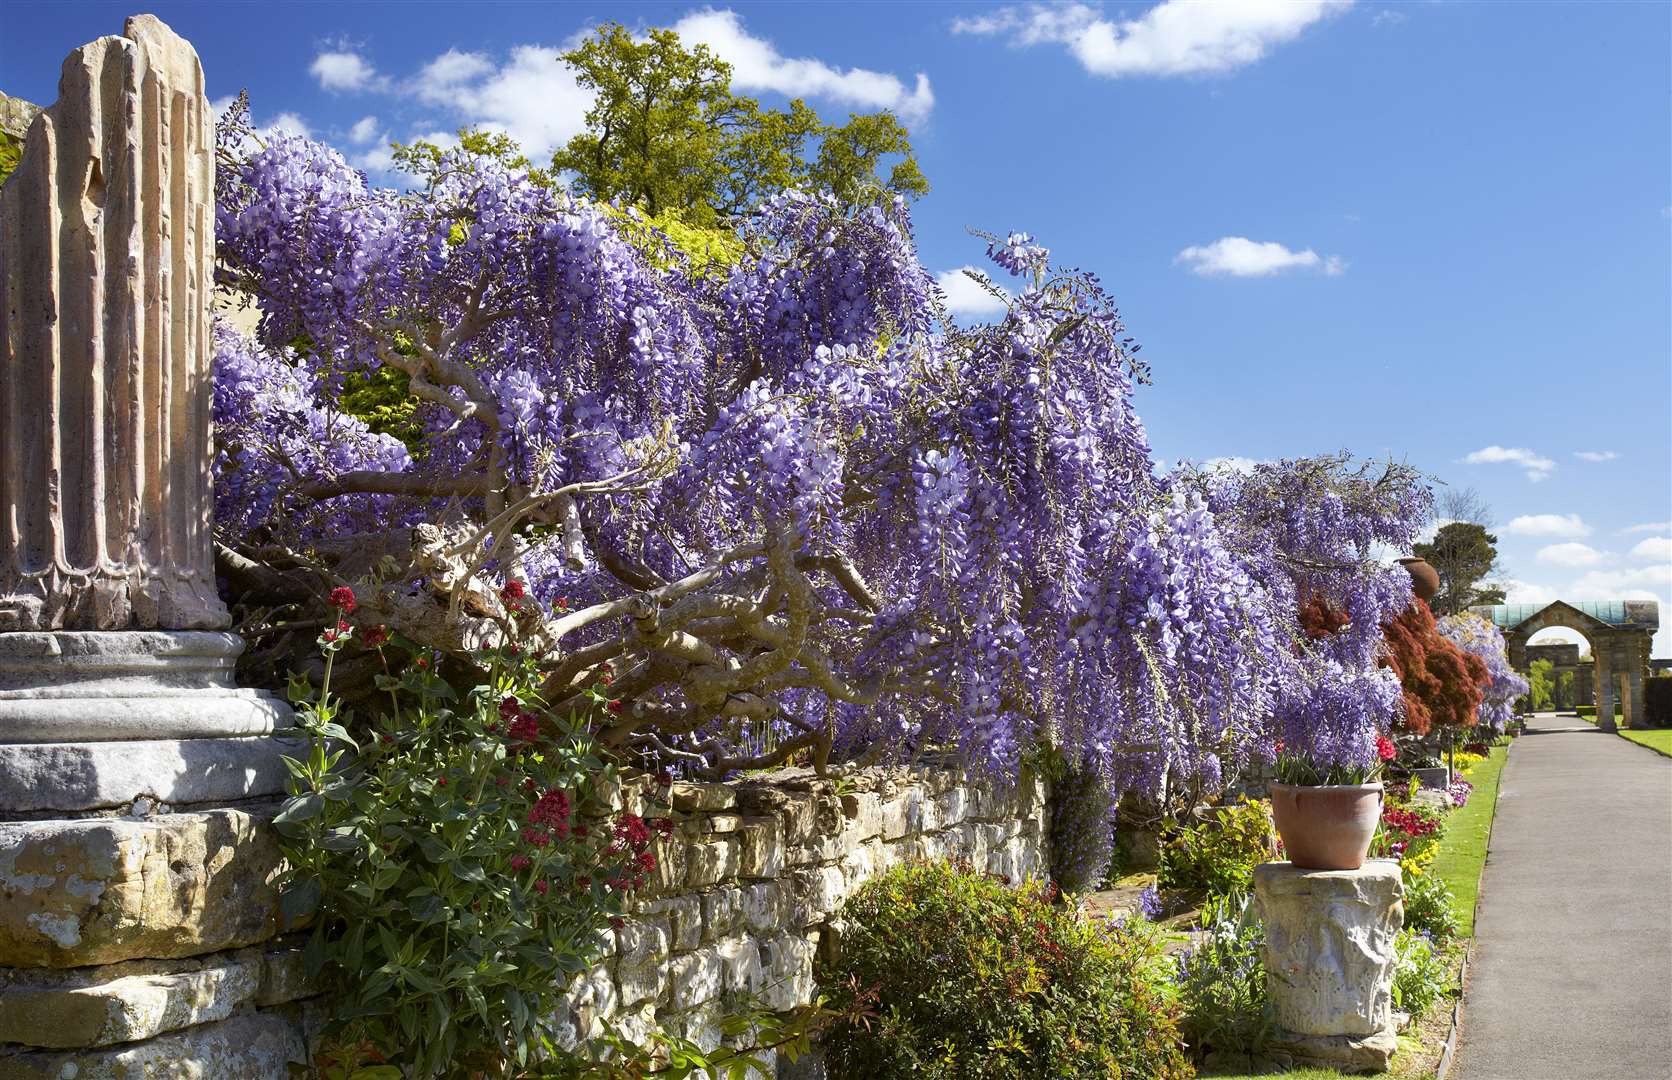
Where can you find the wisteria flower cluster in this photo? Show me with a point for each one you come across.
(789, 508)
(1504, 686)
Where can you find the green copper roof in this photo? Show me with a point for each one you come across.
(1612, 612)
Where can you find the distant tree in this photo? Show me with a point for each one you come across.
(1463, 504)
(666, 134)
(1541, 692)
(1462, 553)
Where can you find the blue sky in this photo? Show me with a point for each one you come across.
(1440, 231)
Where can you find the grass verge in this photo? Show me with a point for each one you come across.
(1461, 855)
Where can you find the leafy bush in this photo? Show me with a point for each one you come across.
(1223, 981)
(1430, 907)
(1218, 855)
(973, 979)
(1657, 700)
(1422, 973)
(458, 885)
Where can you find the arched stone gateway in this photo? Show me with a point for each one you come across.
(1620, 633)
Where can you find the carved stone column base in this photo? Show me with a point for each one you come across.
(1330, 959)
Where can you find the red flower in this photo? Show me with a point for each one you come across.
(613, 705)
(552, 808)
(1278, 746)
(617, 922)
(342, 598)
(520, 863)
(631, 831)
(541, 886)
(375, 637)
(662, 825)
(1385, 748)
(536, 838)
(646, 862)
(513, 590)
(664, 779)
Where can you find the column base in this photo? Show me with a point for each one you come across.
(125, 685)
(1348, 1053)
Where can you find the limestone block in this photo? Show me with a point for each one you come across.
(722, 912)
(1349, 1053)
(1330, 946)
(952, 805)
(642, 967)
(593, 1000)
(741, 959)
(764, 907)
(673, 856)
(700, 1024)
(895, 824)
(684, 919)
(711, 861)
(762, 854)
(99, 890)
(863, 811)
(127, 1009)
(252, 1046)
(788, 974)
(720, 823)
(97, 775)
(692, 797)
(695, 978)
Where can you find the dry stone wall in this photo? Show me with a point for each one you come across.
(753, 880)
(138, 943)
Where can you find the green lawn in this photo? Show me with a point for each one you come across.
(1462, 852)
(1657, 739)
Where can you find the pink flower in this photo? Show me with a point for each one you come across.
(1385, 748)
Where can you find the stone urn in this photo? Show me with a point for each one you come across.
(1326, 826)
(1425, 580)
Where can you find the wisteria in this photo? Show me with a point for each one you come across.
(1504, 686)
(786, 509)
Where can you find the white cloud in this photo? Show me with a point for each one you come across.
(1616, 584)
(965, 297)
(1526, 592)
(757, 65)
(1538, 468)
(290, 124)
(1231, 463)
(1176, 37)
(1595, 455)
(343, 70)
(1648, 527)
(1658, 548)
(1238, 256)
(363, 131)
(1573, 554)
(1565, 526)
(533, 97)
(1387, 17)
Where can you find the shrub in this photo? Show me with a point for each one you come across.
(974, 979)
(1218, 856)
(1657, 700)
(458, 887)
(1422, 973)
(1223, 981)
(1430, 907)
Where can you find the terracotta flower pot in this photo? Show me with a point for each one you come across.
(1327, 827)
(1425, 580)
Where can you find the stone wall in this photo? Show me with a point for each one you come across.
(146, 943)
(756, 873)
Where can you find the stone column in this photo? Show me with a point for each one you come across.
(138, 913)
(1330, 960)
(115, 670)
(1604, 649)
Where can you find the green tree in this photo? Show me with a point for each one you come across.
(1462, 553)
(1541, 687)
(666, 134)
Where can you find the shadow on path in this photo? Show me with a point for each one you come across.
(1572, 974)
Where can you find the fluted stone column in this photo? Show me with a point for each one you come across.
(1603, 647)
(115, 667)
(1330, 959)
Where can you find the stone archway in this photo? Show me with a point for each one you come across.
(1621, 633)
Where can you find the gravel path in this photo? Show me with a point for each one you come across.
(1572, 974)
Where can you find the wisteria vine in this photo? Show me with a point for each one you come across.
(789, 509)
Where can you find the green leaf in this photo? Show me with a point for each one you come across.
(341, 840)
(299, 809)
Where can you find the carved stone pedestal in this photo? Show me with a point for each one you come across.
(1330, 960)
